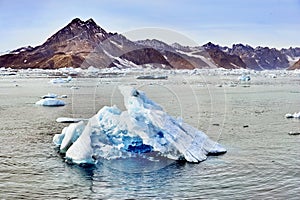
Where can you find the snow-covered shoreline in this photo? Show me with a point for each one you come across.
(116, 72)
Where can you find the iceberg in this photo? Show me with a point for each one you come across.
(50, 102)
(142, 129)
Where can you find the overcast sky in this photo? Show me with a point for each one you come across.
(274, 23)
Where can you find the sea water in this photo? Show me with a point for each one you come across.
(262, 161)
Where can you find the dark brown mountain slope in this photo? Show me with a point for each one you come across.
(82, 44)
(295, 66)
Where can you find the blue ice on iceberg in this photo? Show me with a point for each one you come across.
(142, 128)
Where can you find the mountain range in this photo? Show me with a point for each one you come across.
(84, 44)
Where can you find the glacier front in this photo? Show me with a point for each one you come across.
(141, 129)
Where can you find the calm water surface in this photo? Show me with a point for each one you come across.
(262, 161)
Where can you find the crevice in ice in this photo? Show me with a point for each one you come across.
(142, 129)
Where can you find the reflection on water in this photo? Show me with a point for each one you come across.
(262, 160)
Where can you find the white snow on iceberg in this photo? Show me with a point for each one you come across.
(50, 102)
(143, 128)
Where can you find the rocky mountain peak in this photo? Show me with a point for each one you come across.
(210, 45)
(292, 52)
(79, 30)
(242, 47)
(90, 22)
(76, 21)
(156, 44)
(180, 47)
(241, 50)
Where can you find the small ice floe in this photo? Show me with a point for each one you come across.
(245, 86)
(69, 120)
(272, 76)
(141, 130)
(232, 85)
(74, 88)
(64, 96)
(294, 133)
(49, 95)
(50, 102)
(245, 78)
(61, 80)
(152, 77)
(295, 115)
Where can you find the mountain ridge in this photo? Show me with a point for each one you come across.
(84, 44)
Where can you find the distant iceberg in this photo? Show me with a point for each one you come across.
(141, 129)
(50, 102)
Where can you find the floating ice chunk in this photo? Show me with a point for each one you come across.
(143, 128)
(69, 78)
(295, 115)
(61, 80)
(50, 102)
(74, 88)
(58, 80)
(69, 120)
(272, 75)
(163, 77)
(245, 78)
(49, 95)
(294, 133)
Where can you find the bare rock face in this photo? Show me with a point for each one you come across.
(295, 66)
(180, 57)
(224, 59)
(144, 56)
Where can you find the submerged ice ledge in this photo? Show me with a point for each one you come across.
(141, 129)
